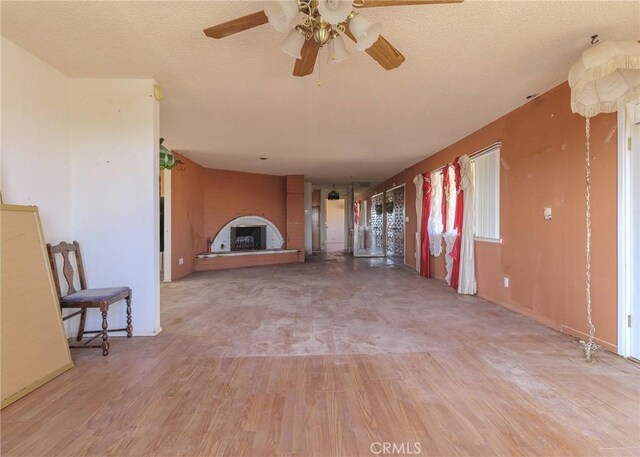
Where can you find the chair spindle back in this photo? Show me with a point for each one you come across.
(64, 249)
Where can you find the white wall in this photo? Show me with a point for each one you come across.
(86, 152)
(115, 191)
(36, 132)
(35, 165)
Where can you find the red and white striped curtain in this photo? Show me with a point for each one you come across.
(458, 223)
(459, 234)
(425, 268)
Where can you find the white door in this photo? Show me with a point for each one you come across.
(335, 225)
(634, 259)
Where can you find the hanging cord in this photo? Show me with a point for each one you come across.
(318, 59)
(589, 345)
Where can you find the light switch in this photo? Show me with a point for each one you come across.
(547, 214)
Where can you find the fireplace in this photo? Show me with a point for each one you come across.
(246, 234)
(248, 237)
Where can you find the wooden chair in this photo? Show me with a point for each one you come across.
(86, 298)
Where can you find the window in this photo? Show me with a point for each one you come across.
(486, 167)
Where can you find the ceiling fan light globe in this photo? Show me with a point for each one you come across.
(281, 13)
(339, 50)
(335, 11)
(292, 45)
(365, 32)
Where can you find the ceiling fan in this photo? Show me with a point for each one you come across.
(324, 22)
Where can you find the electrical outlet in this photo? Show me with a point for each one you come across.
(506, 282)
(181, 261)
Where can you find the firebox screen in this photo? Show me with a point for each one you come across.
(248, 238)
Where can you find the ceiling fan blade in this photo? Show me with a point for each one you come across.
(237, 25)
(375, 3)
(309, 54)
(382, 52)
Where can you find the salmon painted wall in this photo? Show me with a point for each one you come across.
(231, 194)
(204, 200)
(187, 216)
(542, 158)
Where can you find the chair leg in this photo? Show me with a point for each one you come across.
(129, 327)
(105, 335)
(83, 318)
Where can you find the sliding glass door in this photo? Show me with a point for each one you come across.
(368, 236)
(394, 213)
(379, 225)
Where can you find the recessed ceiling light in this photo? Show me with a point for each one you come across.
(530, 97)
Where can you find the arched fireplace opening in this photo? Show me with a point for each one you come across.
(247, 233)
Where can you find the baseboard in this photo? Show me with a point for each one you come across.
(524, 312)
(583, 336)
(151, 333)
(177, 277)
(549, 323)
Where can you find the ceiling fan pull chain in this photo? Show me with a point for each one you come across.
(319, 67)
(588, 346)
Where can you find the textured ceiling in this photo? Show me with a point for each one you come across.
(229, 102)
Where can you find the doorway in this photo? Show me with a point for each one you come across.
(380, 227)
(376, 213)
(363, 240)
(316, 244)
(628, 233)
(165, 225)
(394, 223)
(335, 225)
(634, 238)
